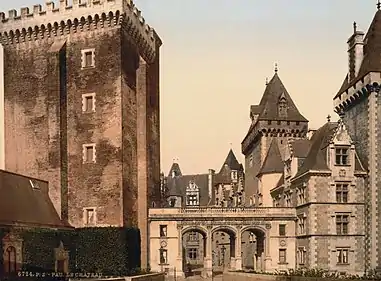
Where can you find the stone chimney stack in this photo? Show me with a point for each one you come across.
(355, 52)
(210, 182)
(2, 116)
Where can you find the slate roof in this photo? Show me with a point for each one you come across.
(273, 162)
(231, 161)
(300, 147)
(268, 106)
(176, 168)
(316, 158)
(372, 53)
(177, 186)
(21, 204)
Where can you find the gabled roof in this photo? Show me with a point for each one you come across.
(175, 168)
(317, 155)
(317, 158)
(25, 201)
(177, 186)
(372, 53)
(273, 162)
(268, 106)
(231, 161)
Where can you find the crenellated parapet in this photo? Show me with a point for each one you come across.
(81, 16)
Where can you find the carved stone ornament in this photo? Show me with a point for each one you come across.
(268, 225)
(342, 173)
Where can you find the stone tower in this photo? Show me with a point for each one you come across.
(358, 102)
(276, 117)
(81, 91)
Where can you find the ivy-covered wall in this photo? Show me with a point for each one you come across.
(107, 250)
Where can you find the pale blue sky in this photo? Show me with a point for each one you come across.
(217, 54)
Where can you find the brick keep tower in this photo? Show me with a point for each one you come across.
(276, 117)
(81, 92)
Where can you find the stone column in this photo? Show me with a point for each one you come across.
(179, 260)
(238, 249)
(208, 264)
(266, 254)
(2, 111)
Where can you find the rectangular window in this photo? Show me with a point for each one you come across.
(192, 253)
(302, 224)
(90, 216)
(282, 230)
(301, 256)
(163, 256)
(282, 255)
(342, 156)
(192, 236)
(89, 153)
(301, 193)
(342, 256)
(342, 224)
(163, 231)
(192, 200)
(287, 196)
(88, 58)
(88, 102)
(342, 193)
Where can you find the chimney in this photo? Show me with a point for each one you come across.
(355, 52)
(210, 182)
(2, 117)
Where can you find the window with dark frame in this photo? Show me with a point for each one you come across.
(342, 224)
(301, 256)
(282, 230)
(89, 153)
(192, 253)
(282, 255)
(163, 256)
(192, 200)
(88, 59)
(89, 103)
(342, 156)
(163, 231)
(342, 193)
(192, 236)
(342, 256)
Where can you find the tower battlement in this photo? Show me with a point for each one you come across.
(80, 16)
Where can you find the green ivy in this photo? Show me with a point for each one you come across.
(111, 251)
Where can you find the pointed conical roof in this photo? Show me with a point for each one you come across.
(273, 162)
(231, 161)
(268, 106)
(175, 168)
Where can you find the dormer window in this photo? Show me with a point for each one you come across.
(282, 106)
(234, 175)
(192, 194)
(342, 156)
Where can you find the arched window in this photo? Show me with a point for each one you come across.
(10, 261)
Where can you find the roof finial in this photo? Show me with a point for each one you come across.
(267, 81)
(378, 5)
(276, 68)
(355, 26)
(329, 118)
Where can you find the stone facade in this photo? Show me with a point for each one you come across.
(86, 115)
(167, 247)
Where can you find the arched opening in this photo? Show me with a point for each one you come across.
(253, 249)
(193, 251)
(10, 262)
(223, 249)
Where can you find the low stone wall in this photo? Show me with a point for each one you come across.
(241, 276)
(142, 277)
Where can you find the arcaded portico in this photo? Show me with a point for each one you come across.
(227, 238)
